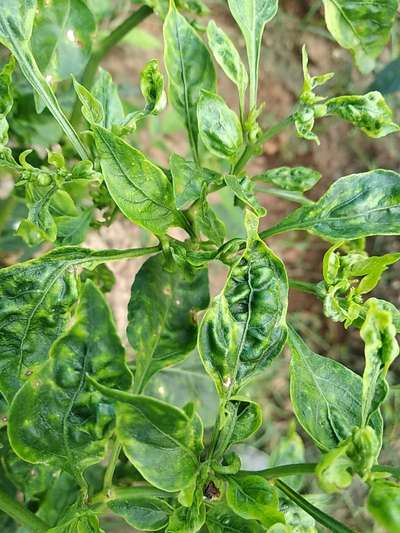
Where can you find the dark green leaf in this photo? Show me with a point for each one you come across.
(190, 69)
(291, 178)
(56, 418)
(247, 419)
(325, 395)
(387, 81)
(139, 188)
(62, 37)
(161, 441)
(220, 519)
(384, 504)
(162, 326)
(73, 229)
(205, 220)
(361, 27)
(143, 513)
(369, 112)
(251, 18)
(219, 126)
(188, 179)
(252, 497)
(354, 206)
(187, 519)
(245, 327)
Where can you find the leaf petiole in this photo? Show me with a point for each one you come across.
(21, 515)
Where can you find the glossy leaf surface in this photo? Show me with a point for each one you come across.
(252, 497)
(140, 189)
(143, 513)
(220, 519)
(325, 395)
(245, 326)
(190, 69)
(354, 206)
(162, 326)
(56, 418)
(361, 27)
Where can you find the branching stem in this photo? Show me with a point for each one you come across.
(21, 515)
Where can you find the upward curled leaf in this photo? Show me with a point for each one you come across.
(56, 417)
(245, 327)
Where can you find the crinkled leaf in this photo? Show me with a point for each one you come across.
(219, 126)
(188, 179)
(190, 69)
(162, 326)
(92, 109)
(381, 348)
(141, 512)
(355, 206)
(206, 221)
(243, 190)
(36, 298)
(56, 418)
(325, 395)
(187, 519)
(251, 18)
(62, 37)
(245, 327)
(139, 188)
(247, 419)
(370, 113)
(291, 178)
(252, 497)
(6, 103)
(361, 27)
(228, 57)
(73, 229)
(152, 87)
(384, 504)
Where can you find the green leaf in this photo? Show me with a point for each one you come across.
(289, 450)
(105, 92)
(245, 327)
(251, 18)
(139, 188)
(252, 497)
(355, 206)
(361, 27)
(187, 519)
(16, 23)
(188, 179)
(243, 190)
(381, 349)
(219, 126)
(384, 504)
(205, 221)
(56, 418)
(325, 395)
(143, 513)
(78, 520)
(369, 112)
(299, 179)
(162, 325)
(220, 519)
(387, 81)
(73, 229)
(92, 109)
(161, 441)
(36, 298)
(152, 87)
(62, 37)
(190, 69)
(228, 58)
(247, 419)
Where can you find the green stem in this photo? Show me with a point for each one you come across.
(286, 195)
(128, 492)
(116, 255)
(266, 136)
(104, 47)
(109, 474)
(305, 286)
(325, 520)
(21, 515)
